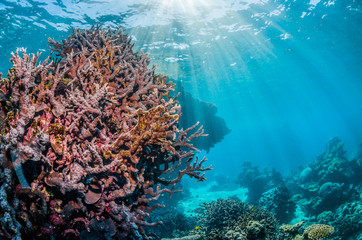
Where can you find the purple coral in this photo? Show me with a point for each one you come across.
(91, 136)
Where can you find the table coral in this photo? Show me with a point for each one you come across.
(91, 135)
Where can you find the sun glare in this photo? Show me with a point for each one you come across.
(183, 36)
(184, 7)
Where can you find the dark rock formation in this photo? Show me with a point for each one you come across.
(194, 110)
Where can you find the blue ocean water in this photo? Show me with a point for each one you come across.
(285, 75)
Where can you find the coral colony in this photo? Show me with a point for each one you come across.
(88, 140)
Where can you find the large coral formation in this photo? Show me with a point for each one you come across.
(291, 229)
(268, 189)
(90, 136)
(347, 219)
(257, 182)
(278, 201)
(332, 165)
(326, 191)
(329, 191)
(312, 232)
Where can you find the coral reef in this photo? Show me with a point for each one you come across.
(347, 219)
(317, 231)
(278, 201)
(267, 189)
(331, 166)
(87, 140)
(175, 222)
(258, 182)
(328, 191)
(234, 219)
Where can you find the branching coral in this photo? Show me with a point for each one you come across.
(91, 135)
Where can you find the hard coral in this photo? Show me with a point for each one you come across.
(90, 136)
(318, 231)
(220, 217)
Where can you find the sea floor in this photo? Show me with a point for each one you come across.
(207, 193)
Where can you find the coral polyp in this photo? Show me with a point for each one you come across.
(87, 139)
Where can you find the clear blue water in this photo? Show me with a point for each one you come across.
(285, 75)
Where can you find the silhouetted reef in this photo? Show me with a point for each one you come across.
(194, 110)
